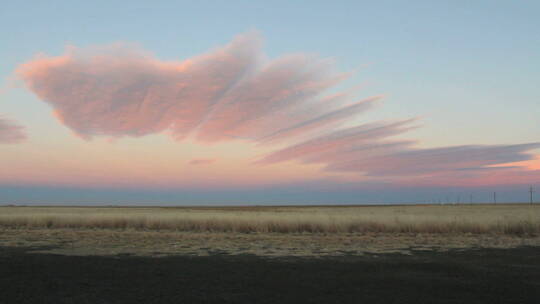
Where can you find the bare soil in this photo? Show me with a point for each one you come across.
(453, 276)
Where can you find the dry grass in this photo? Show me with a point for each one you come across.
(170, 243)
(477, 219)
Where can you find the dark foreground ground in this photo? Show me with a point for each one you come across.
(473, 276)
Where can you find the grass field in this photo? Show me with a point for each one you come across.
(514, 219)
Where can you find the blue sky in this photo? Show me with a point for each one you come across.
(450, 62)
(468, 70)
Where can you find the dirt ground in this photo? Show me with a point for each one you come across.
(136, 266)
(464, 276)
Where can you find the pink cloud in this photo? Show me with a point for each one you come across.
(230, 92)
(416, 162)
(201, 161)
(368, 150)
(324, 120)
(236, 92)
(325, 148)
(11, 132)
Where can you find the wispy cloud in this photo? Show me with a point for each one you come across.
(236, 92)
(340, 145)
(230, 92)
(412, 162)
(369, 150)
(201, 161)
(11, 132)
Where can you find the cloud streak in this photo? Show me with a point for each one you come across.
(416, 162)
(336, 144)
(11, 132)
(370, 150)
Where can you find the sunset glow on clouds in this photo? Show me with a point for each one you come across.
(230, 92)
(284, 119)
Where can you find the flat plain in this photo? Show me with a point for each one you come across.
(270, 231)
(312, 254)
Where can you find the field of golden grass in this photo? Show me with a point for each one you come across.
(510, 219)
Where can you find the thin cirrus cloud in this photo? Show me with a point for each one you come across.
(369, 149)
(11, 132)
(236, 92)
(412, 162)
(201, 161)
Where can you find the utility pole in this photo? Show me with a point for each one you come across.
(531, 190)
(494, 197)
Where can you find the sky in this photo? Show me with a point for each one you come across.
(247, 102)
